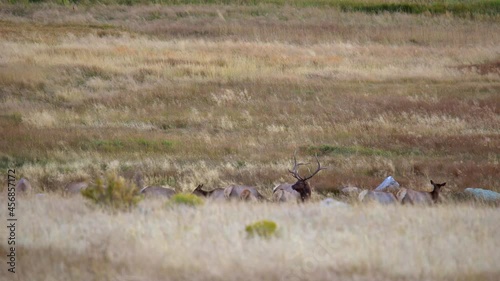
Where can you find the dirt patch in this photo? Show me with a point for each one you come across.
(483, 69)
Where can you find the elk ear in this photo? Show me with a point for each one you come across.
(443, 184)
(432, 182)
(227, 191)
(200, 186)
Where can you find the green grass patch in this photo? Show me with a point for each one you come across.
(12, 119)
(454, 7)
(185, 199)
(490, 7)
(263, 228)
(10, 162)
(123, 145)
(358, 150)
(347, 150)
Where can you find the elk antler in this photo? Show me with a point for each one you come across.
(317, 170)
(294, 171)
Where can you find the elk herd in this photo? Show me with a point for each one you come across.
(388, 192)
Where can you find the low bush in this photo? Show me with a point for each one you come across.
(115, 193)
(263, 228)
(185, 199)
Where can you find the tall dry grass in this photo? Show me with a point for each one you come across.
(66, 239)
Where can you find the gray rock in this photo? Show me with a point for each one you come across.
(23, 185)
(483, 194)
(388, 184)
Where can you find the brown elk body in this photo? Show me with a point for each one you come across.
(246, 195)
(381, 197)
(236, 192)
(300, 190)
(158, 191)
(410, 196)
(75, 187)
(214, 194)
(152, 190)
(285, 193)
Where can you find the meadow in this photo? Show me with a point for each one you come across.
(224, 93)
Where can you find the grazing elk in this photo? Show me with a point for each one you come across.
(300, 190)
(152, 190)
(214, 194)
(158, 191)
(75, 187)
(381, 197)
(246, 195)
(410, 196)
(241, 191)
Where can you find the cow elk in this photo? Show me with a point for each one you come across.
(152, 190)
(380, 197)
(410, 196)
(75, 187)
(246, 195)
(214, 194)
(300, 190)
(242, 192)
(158, 191)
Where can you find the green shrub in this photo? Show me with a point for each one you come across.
(263, 228)
(115, 193)
(186, 199)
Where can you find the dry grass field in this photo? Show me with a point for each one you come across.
(72, 241)
(224, 94)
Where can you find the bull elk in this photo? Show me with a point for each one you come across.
(215, 194)
(410, 196)
(300, 190)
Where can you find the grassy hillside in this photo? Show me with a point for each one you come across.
(456, 7)
(225, 94)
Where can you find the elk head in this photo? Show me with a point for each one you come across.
(436, 189)
(200, 192)
(302, 186)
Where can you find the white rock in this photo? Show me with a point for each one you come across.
(388, 183)
(483, 194)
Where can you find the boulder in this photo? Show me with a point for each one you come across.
(482, 194)
(23, 186)
(388, 184)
